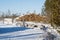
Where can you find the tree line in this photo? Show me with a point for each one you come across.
(9, 15)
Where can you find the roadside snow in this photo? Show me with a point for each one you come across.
(31, 34)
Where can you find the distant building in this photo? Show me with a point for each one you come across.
(8, 20)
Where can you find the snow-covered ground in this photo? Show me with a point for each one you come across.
(30, 34)
(7, 24)
(26, 33)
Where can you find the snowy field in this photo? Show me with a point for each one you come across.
(13, 32)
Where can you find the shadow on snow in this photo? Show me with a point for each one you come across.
(12, 29)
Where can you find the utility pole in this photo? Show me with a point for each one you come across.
(3, 17)
(23, 21)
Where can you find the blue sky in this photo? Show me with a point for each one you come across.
(22, 6)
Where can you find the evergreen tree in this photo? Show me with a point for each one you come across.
(52, 9)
